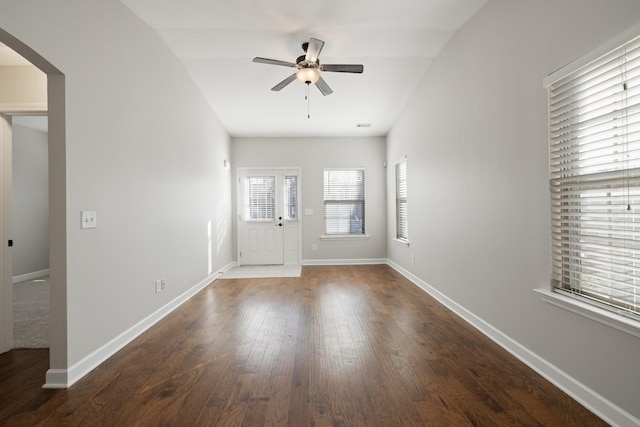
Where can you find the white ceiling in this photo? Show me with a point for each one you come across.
(217, 40)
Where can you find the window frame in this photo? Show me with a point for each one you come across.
(622, 320)
(250, 207)
(291, 193)
(400, 200)
(339, 236)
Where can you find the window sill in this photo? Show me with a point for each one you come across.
(600, 315)
(403, 242)
(344, 236)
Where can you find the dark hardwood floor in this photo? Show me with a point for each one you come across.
(340, 346)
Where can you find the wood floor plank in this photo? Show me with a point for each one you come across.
(338, 346)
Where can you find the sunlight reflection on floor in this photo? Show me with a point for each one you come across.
(255, 271)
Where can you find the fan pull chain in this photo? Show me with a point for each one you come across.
(306, 96)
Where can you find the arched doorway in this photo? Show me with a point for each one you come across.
(56, 376)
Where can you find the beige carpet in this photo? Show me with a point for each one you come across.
(31, 313)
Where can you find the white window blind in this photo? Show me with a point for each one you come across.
(261, 196)
(344, 201)
(401, 200)
(594, 134)
(291, 196)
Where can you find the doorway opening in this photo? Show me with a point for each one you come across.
(30, 231)
(54, 106)
(268, 222)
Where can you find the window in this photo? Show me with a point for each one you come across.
(344, 202)
(401, 200)
(291, 197)
(261, 196)
(594, 137)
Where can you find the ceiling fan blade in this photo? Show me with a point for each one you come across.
(313, 50)
(285, 82)
(323, 87)
(343, 68)
(273, 62)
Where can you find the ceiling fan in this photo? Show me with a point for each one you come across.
(309, 67)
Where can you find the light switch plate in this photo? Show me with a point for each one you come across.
(308, 211)
(89, 219)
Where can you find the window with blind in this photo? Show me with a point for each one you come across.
(594, 154)
(401, 201)
(261, 198)
(291, 197)
(344, 202)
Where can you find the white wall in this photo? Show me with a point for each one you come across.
(313, 155)
(30, 214)
(475, 137)
(143, 149)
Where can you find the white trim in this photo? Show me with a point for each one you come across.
(30, 276)
(359, 261)
(596, 403)
(226, 268)
(605, 48)
(56, 379)
(61, 378)
(346, 168)
(6, 253)
(403, 242)
(24, 109)
(286, 171)
(344, 236)
(600, 315)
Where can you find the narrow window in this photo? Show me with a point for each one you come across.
(291, 197)
(401, 201)
(344, 202)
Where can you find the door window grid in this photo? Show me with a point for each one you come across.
(261, 198)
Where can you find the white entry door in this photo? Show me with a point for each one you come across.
(260, 217)
(268, 223)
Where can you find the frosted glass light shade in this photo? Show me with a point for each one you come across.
(308, 75)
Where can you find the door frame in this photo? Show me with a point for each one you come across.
(239, 205)
(6, 259)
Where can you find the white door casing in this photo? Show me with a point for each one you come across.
(267, 234)
(6, 267)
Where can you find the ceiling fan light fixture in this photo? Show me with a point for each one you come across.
(308, 75)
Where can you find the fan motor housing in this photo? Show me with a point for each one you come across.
(303, 61)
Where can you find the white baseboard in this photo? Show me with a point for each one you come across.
(227, 267)
(591, 400)
(30, 276)
(359, 261)
(56, 378)
(64, 378)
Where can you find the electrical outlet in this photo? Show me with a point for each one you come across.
(158, 286)
(413, 258)
(314, 247)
